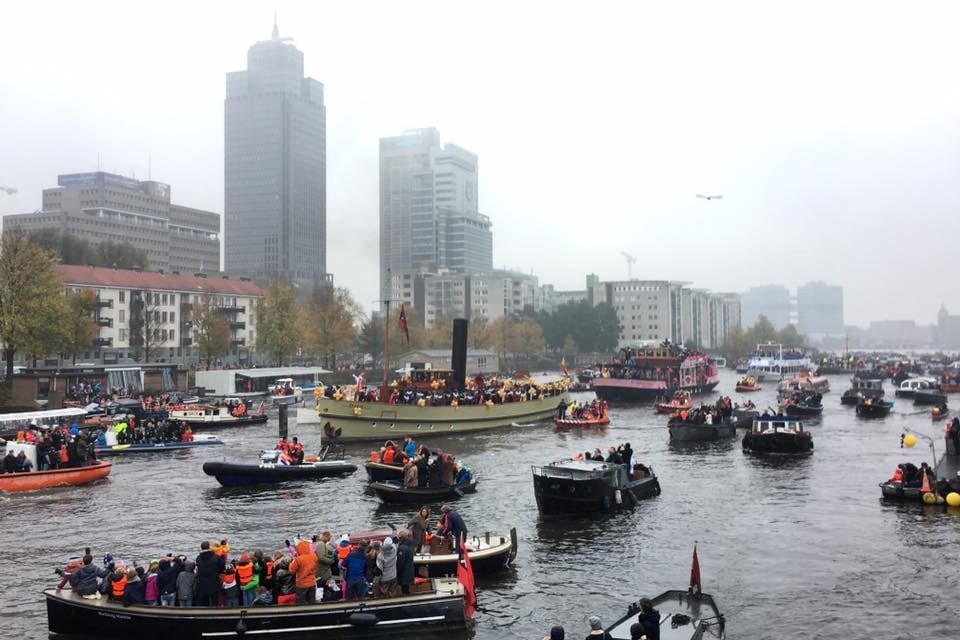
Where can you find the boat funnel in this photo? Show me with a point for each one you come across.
(458, 360)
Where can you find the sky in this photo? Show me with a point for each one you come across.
(832, 129)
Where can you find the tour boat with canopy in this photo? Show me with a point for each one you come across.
(647, 373)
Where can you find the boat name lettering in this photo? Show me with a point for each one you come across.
(115, 616)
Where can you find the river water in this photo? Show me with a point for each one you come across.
(786, 546)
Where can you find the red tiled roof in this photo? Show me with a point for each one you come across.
(79, 275)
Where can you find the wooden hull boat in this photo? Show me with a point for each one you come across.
(784, 444)
(747, 388)
(393, 492)
(489, 553)
(238, 475)
(683, 615)
(929, 397)
(380, 421)
(439, 609)
(802, 410)
(37, 480)
(380, 472)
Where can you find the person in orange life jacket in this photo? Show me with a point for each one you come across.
(296, 451)
(209, 567)
(304, 566)
(343, 550)
(230, 586)
(389, 452)
(117, 582)
(248, 576)
(283, 445)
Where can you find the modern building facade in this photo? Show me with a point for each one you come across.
(275, 192)
(130, 303)
(475, 296)
(947, 330)
(651, 311)
(430, 220)
(100, 207)
(820, 310)
(772, 301)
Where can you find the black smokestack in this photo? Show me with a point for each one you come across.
(458, 360)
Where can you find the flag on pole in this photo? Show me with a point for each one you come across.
(563, 365)
(465, 577)
(402, 324)
(695, 572)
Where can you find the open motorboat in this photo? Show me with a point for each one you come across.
(231, 412)
(873, 407)
(270, 470)
(747, 384)
(680, 401)
(284, 391)
(393, 492)
(489, 552)
(686, 431)
(860, 388)
(802, 404)
(37, 480)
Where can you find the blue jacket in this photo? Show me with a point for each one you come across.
(455, 525)
(135, 592)
(356, 565)
(84, 579)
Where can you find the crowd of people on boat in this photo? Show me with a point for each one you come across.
(479, 391)
(61, 447)
(128, 430)
(717, 413)
(320, 569)
(421, 467)
(647, 626)
(595, 409)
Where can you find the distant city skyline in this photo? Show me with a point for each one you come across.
(823, 178)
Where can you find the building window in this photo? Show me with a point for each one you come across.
(164, 299)
(123, 333)
(172, 318)
(123, 315)
(123, 296)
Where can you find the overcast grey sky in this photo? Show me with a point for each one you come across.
(831, 128)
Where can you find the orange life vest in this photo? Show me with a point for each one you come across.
(388, 455)
(228, 580)
(64, 456)
(269, 573)
(343, 552)
(245, 572)
(897, 475)
(117, 586)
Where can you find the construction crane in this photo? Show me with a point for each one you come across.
(8, 190)
(630, 261)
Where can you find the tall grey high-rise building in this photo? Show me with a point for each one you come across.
(275, 175)
(820, 310)
(772, 301)
(429, 213)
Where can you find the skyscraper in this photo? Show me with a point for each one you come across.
(275, 176)
(820, 310)
(429, 214)
(772, 301)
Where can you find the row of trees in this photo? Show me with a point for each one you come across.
(741, 342)
(37, 315)
(73, 250)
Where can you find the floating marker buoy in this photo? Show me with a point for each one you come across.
(953, 499)
(909, 441)
(929, 498)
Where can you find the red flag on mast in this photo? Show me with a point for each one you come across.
(695, 572)
(402, 324)
(465, 577)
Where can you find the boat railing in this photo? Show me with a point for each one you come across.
(551, 471)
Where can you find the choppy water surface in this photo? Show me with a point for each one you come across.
(787, 547)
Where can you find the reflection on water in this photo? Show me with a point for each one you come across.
(784, 542)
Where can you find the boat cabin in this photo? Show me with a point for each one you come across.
(871, 385)
(916, 384)
(613, 475)
(765, 425)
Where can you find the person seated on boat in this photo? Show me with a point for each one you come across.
(464, 475)
(24, 463)
(640, 471)
(296, 451)
(597, 455)
(388, 453)
(613, 456)
(10, 464)
(448, 471)
(452, 524)
(409, 446)
(911, 474)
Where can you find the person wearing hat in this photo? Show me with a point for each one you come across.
(596, 629)
(387, 563)
(304, 566)
(556, 633)
(248, 574)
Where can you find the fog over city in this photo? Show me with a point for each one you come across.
(831, 129)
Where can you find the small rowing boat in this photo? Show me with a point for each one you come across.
(393, 492)
(199, 440)
(681, 401)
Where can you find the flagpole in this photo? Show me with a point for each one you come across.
(386, 347)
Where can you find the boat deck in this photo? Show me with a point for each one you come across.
(696, 607)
